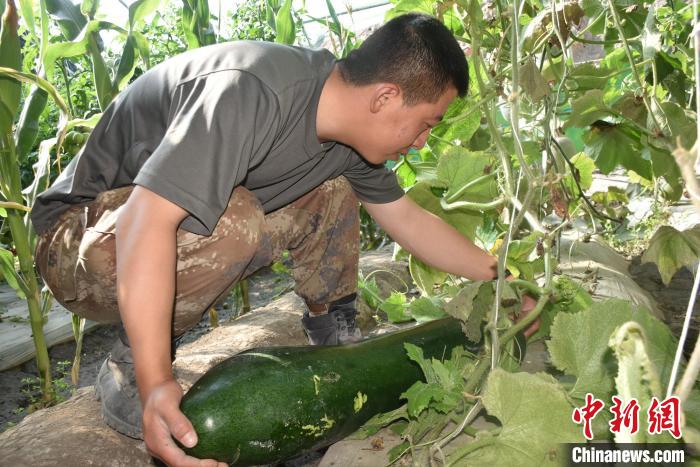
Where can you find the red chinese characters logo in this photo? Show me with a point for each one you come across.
(627, 417)
(665, 416)
(586, 414)
(661, 416)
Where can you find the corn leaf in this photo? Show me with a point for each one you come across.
(140, 9)
(284, 21)
(68, 16)
(7, 269)
(10, 57)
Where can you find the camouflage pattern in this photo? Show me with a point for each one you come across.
(77, 260)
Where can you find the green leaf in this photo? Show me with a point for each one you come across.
(27, 8)
(579, 345)
(140, 9)
(395, 308)
(681, 123)
(671, 250)
(584, 169)
(463, 220)
(467, 176)
(127, 64)
(379, 421)
(425, 309)
(408, 6)
(415, 353)
(7, 269)
(588, 76)
(587, 109)
(285, 28)
(405, 174)
(532, 82)
(425, 276)
(632, 107)
(535, 416)
(611, 146)
(10, 57)
(68, 16)
(89, 8)
(470, 306)
(420, 395)
(466, 122)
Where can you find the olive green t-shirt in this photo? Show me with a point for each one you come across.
(199, 124)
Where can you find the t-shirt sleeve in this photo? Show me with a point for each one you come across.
(217, 124)
(372, 183)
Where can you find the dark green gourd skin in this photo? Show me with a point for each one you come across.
(268, 404)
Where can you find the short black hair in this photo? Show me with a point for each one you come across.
(414, 51)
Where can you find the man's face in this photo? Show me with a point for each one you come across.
(395, 127)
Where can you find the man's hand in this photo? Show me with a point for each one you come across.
(163, 421)
(527, 305)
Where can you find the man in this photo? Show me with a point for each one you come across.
(210, 165)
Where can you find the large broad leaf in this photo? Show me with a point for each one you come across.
(471, 305)
(632, 107)
(10, 57)
(535, 416)
(680, 122)
(463, 220)
(587, 76)
(613, 145)
(460, 123)
(467, 175)
(579, 345)
(671, 250)
(425, 277)
(584, 166)
(587, 109)
(425, 309)
(666, 171)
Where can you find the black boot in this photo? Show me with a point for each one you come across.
(335, 327)
(116, 389)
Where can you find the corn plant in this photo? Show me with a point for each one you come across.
(14, 204)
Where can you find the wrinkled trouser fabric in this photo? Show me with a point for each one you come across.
(77, 259)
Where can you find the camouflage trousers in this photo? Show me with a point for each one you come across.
(77, 259)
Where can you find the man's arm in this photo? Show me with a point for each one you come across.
(146, 268)
(432, 240)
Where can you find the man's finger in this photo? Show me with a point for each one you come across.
(180, 427)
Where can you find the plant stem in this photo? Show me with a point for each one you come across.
(495, 204)
(529, 318)
(13, 205)
(468, 185)
(628, 51)
(20, 236)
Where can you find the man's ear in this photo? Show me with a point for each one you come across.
(384, 94)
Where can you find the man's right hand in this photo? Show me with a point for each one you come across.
(163, 421)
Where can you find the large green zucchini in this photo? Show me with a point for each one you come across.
(268, 404)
